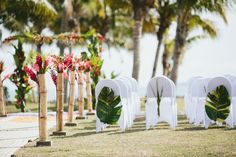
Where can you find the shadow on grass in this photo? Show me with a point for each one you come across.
(200, 128)
(127, 131)
(90, 128)
(230, 129)
(90, 122)
(82, 134)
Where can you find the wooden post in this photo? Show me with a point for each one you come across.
(81, 95)
(3, 112)
(89, 94)
(59, 116)
(43, 136)
(71, 100)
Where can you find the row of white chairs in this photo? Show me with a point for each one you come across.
(127, 89)
(195, 98)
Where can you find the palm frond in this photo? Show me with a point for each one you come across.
(205, 24)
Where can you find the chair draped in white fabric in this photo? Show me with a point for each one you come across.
(125, 94)
(135, 99)
(118, 91)
(198, 100)
(233, 98)
(168, 107)
(188, 98)
(212, 85)
(130, 106)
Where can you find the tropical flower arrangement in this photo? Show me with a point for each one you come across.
(20, 77)
(36, 72)
(60, 65)
(93, 63)
(41, 65)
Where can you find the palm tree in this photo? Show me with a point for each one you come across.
(33, 17)
(186, 10)
(195, 22)
(30, 15)
(140, 9)
(166, 14)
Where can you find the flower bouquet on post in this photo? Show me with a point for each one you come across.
(36, 72)
(72, 63)
(87, 69)
(58, 73)
(81, 90)
(3, 111)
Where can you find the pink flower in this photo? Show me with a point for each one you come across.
(65, 75)
(36, 67)
(54, 77)
(6, 77)
(31, 74)
(81, 66)
(60, 67)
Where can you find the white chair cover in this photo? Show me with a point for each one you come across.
(233, 100)
(212, 85)
(188, 98)
(132, 104)
(117, 91)
(198, 96)
(125, 95)
(168, 109)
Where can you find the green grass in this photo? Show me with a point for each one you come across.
(33, 107)
(187, 140)
(30, 107)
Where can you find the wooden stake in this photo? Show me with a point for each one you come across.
(89, 94)
(2, 101)
(71, 100)
(43, 136)
(59, 116)
(81, 96)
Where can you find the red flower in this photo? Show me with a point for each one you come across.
(31, 74)
(39, 61)
(18, 102)
(87, 66)
(68, 61)
(101, 38)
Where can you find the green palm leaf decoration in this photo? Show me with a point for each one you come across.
(108, 110)
(217, 104)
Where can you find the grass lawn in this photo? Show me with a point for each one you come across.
(187, 140)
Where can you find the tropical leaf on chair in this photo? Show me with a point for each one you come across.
(159, 96)
(217, 104)
(108, 109)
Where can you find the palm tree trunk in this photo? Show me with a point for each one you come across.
(180, 43)
(165, 64)
(137, 33)
(156, 57)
